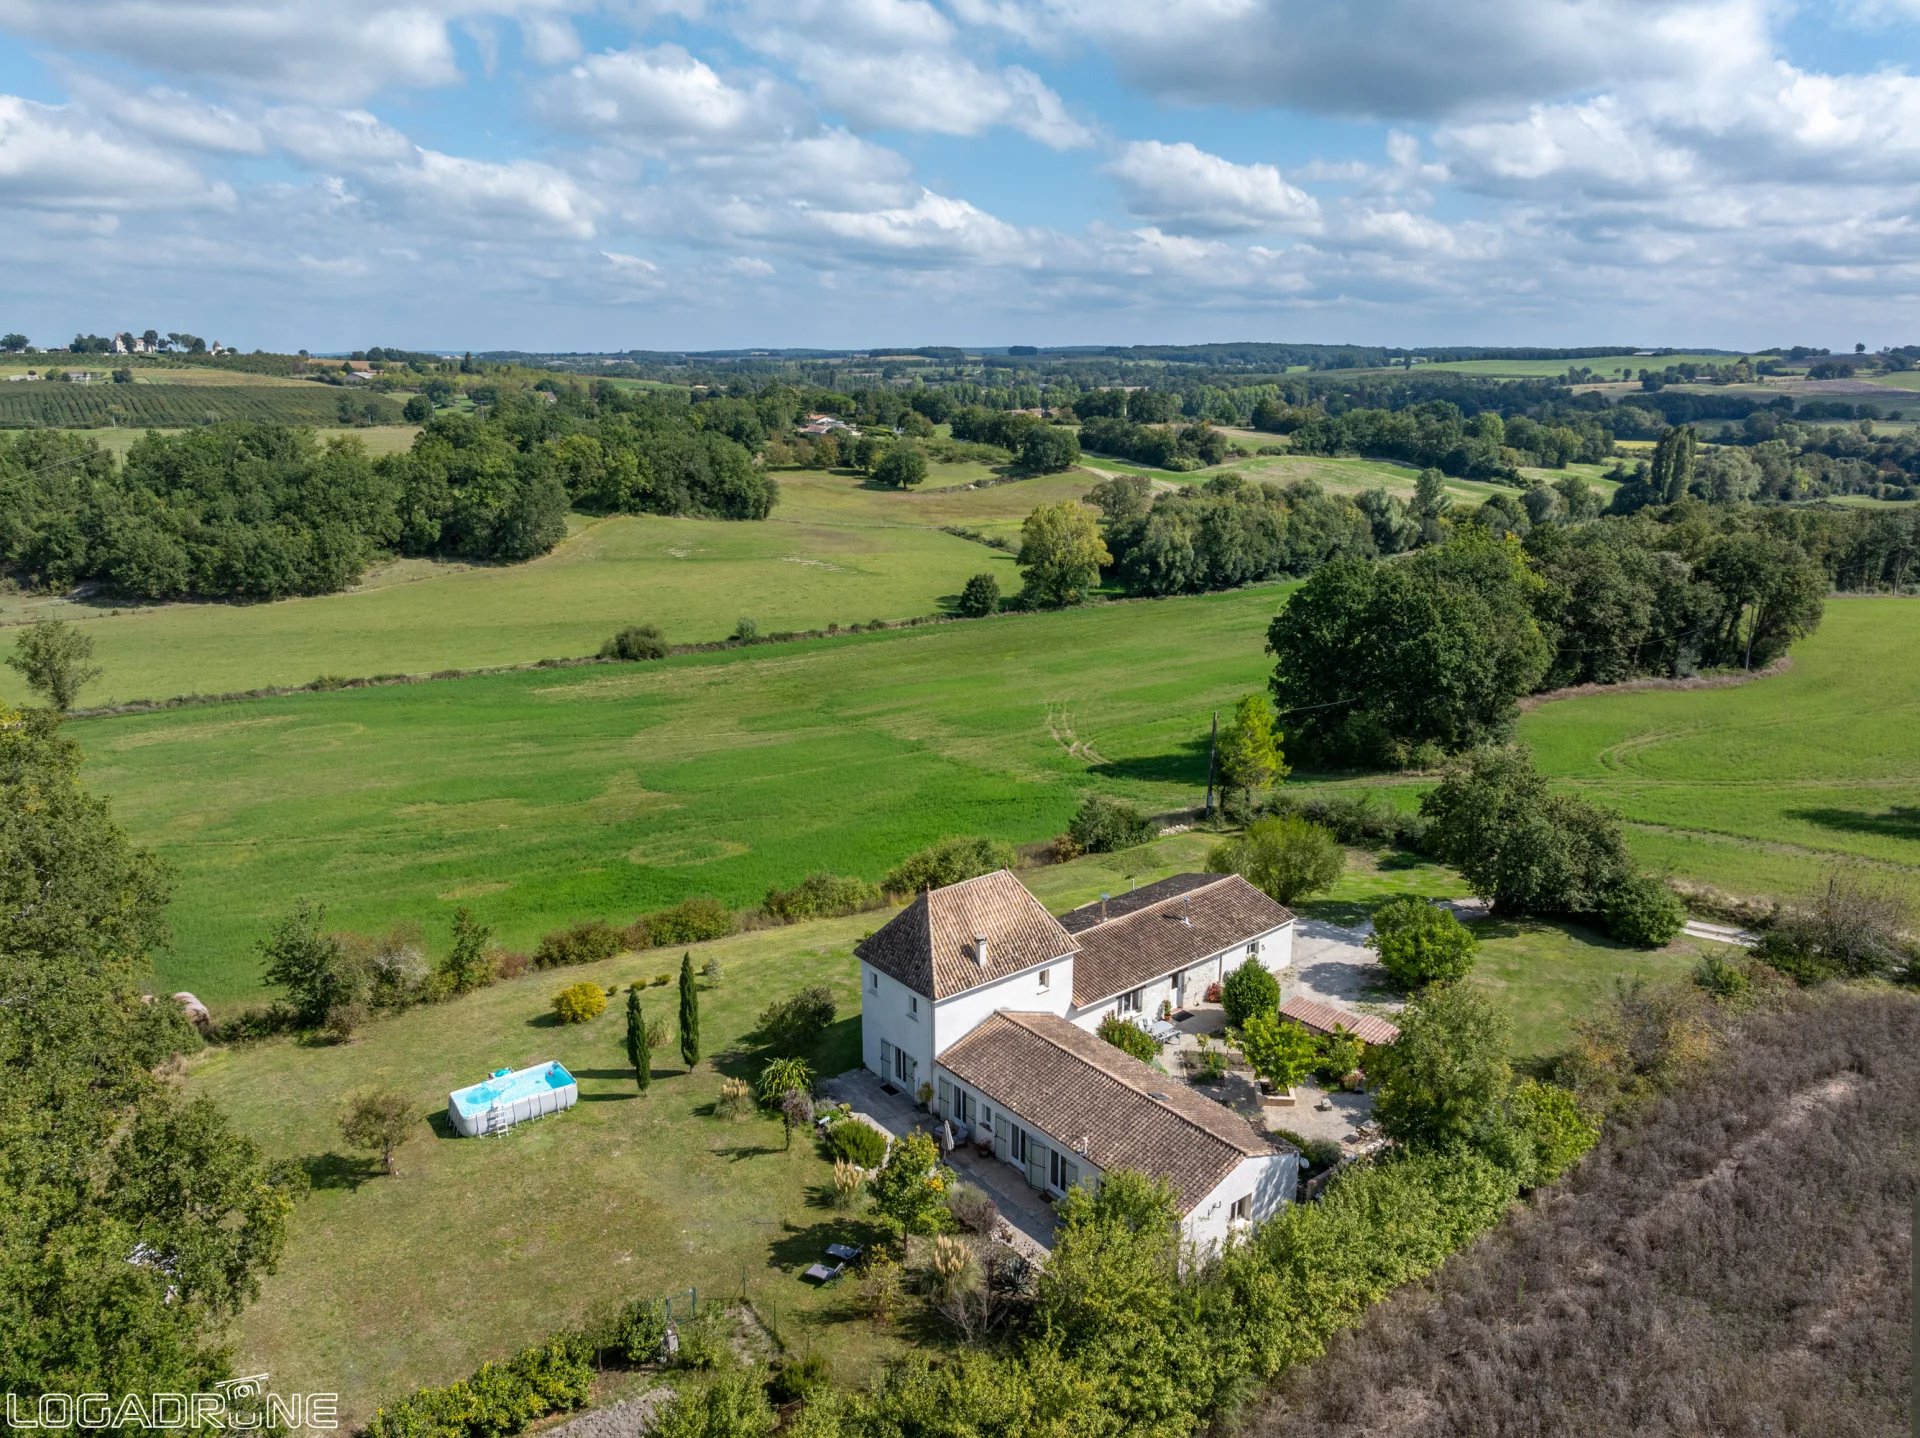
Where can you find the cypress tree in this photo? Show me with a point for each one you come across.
(689, 1013)
(638, 1054)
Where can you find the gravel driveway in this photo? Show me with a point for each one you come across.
(1335, 966)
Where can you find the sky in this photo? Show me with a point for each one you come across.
(704, 174)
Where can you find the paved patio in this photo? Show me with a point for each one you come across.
(1028, 1213)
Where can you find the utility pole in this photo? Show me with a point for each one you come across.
(1213, 746)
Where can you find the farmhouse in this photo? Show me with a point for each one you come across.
(982, 996)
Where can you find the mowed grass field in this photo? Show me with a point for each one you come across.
(1761, 788)
(839, 554)
(1553, 368)
(543, 797)
(378, 438)
(391, 1283)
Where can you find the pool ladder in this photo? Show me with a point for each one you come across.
(495, 1125)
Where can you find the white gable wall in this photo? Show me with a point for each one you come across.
(1268, 1182)
(892, 1016)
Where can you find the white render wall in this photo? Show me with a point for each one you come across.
(956, 1017)
(1271, 1180)
(886, 1013)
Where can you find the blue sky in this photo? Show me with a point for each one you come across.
(602, 174)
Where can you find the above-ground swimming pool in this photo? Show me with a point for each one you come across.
(497, 1103)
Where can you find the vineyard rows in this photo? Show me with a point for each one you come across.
(47, 404)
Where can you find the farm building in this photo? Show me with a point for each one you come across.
(979, 993)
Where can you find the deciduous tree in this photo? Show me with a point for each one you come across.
(51, 655)
(1061, 554)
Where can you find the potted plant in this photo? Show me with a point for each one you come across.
(925, 1096)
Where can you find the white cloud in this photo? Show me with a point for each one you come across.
(944, 93)
(664, 94)
(1187, 189)
(751, 266)
(55, 158)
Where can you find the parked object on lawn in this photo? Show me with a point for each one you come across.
(511, 1096)
(823, 1274)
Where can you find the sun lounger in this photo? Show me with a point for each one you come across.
(822, 1274)
(844, 1252)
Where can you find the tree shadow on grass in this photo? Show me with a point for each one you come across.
(1901, 822)
(1342, 913)
(340, 1170)
(1499, 927)
(548, 1020)
(798, 1248)
(1185, 765)
(734, 1153)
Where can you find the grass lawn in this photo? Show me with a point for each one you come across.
(481, 1247)
(1758, 789)
(547, 796)
(1554, 368)
(694, 578)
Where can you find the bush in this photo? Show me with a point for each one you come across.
(780, 1077)
(691, 921)
(639, 1331)
(1852, 926)
(949, 862)
(586, 943)
(1340, 1054)
(858, 1142)
(980, 597)
(1286, 859)
(577, 1003)
(1130, 1038)
(1317, 1153)
(1250, 989)
(822, 896)
(1102, 825)
(1642, 911)
(972, 1210)
(797, 1379)
(556, 1377)
(640, 641)
(793, 1024)
(1421, 943)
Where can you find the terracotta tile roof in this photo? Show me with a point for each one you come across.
(1163, 927)
(1120, 1113)
(1322, 1019)
(930, 946)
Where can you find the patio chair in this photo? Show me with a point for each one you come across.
(845, 1252)
(822, 1274)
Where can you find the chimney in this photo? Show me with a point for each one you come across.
(1186, 910)
(980, 950)
(1103, 906)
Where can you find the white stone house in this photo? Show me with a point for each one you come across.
(978, 993)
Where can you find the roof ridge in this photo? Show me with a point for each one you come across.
(1159, 1096)
(1213, 881)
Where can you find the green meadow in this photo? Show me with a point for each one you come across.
(1554, 368)
(542, 797)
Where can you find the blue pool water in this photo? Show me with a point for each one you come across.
(476, 1099)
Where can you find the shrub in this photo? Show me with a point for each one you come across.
(779, 1077)
(511, 963)
(501, 1398)
(858, 1142)
(1250, 989)
(1130, 1038)
(732, 1102)
(848, 1181)
(1851, 926)
(1316, 1153)
(980, 597)
(710, 970)
(1640, 910)
(1561, 1130)
(691, 921)
(972, 1209)
(822, 896)
(639, 1330)
(1286, 859)
(1362, 820)
(586, 943)
(639, 641)
(745, 631)
(1340, 1054)
(1102, 825)
(577, 1003)
(949, 862)
(1421, 943)
(378, 1120)
(797, 1379)
(910, 1190)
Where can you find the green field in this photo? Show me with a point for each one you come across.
(1554, 368)
(694, 578)
(1760, 788)
(44, 404)
(547, 796)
